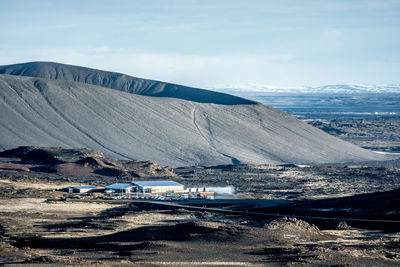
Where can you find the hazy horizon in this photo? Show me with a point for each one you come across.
(212, 43)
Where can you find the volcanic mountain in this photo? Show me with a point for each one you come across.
(51, 104)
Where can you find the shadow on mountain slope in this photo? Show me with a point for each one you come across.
(121, 82)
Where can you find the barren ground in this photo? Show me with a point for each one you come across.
(40, 225)
(376, 133)
(38, 232)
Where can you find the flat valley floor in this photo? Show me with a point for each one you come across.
(40, 227)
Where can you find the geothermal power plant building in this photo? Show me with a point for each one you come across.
(81, 189)
(120, 188)
(158, 186)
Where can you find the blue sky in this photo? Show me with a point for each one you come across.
(211, 43)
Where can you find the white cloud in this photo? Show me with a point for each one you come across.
(189, 69)
(333, 34)
(209, 70)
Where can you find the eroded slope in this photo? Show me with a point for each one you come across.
(120, 82)
(169, 131)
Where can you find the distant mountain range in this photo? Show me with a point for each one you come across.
(52, 104)
(325, 89)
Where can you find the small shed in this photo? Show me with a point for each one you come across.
(120, 188)
(159, 186)
(82, 189)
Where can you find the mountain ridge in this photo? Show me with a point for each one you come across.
(167, 130)
(119, 81)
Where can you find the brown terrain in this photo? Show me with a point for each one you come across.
(42, 226)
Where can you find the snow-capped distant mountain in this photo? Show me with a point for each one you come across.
(355, 88)
(325, 89)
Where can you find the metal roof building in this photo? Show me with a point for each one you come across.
(120, 188)
(158, 186)
(81, 188)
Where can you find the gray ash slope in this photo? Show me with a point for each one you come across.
(210, 129)
(120, 82)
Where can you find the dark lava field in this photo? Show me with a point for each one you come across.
(42, 226)
(379, 133)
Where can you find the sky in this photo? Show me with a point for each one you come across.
(211, 43)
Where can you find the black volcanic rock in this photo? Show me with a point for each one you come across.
(51, 154)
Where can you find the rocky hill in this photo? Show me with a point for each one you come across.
(173, 126)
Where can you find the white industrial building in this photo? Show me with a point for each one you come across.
(158, 187)
(218, 190)
(120, 188)
(81, 189)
